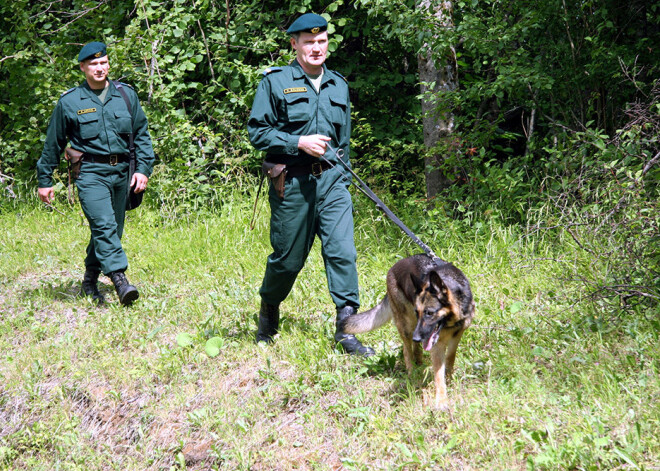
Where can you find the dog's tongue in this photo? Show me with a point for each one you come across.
(430, 342)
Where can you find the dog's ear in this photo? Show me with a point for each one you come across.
(417, 282)
(437, 286)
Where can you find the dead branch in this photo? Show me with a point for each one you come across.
(206, 45)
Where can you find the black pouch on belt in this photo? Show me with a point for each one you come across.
(277, 174)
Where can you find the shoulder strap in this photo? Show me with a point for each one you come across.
(131, 143)
(131, 153)
(340, 75)
(68, 91)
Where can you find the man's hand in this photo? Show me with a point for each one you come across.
(46, 194)
(314, 145)
(139, 182)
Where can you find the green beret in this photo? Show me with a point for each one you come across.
(92, 50)
(308, 23)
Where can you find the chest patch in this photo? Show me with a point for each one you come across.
(88, 110)
(295, 90)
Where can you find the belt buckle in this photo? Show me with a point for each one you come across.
(317, 169)
(114, 159)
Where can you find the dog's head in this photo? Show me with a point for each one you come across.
(435, 307)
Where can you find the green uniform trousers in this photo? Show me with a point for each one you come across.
(312, 206)
(102, 193)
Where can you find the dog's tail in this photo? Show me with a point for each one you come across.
(367, 321)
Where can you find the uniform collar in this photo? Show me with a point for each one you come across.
(89, 93)
(299, 73)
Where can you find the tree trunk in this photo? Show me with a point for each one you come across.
(437, 121)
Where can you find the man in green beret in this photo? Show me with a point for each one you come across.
(95, 119)
(302, 112)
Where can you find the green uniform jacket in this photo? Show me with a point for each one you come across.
(94, 127)
(287, 106)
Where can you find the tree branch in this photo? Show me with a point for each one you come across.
(208, 53)
(76, 16)
(651, 163)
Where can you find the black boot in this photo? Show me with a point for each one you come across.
(269, 321)
(126, 292)
(90, 286)
(348, 342)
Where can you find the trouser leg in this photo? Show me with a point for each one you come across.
(102, 194)
(292, 223)
(335, 229)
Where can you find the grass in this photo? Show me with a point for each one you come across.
(544, 380)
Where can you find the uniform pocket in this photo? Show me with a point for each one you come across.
(297, 108)
(89, 125)
(122, 121)
(338, 109)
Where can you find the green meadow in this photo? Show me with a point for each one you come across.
(545, 378)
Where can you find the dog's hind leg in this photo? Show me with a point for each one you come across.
(408, 353)
(417, 353)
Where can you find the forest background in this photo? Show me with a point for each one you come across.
(550, 114)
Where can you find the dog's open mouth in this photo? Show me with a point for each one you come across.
(433, 338)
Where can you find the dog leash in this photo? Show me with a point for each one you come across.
(360, 185)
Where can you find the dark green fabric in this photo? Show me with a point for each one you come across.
(102, 194)
(92, 50)
(309, 23)
(98, 128)
(282, 112)
(94, 127)
(312, 206)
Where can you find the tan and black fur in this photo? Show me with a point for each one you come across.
(431, 305)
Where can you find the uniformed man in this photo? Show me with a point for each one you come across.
(300, 112)
(95, 119)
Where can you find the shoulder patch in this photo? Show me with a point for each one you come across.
(122, 84)
(68, 91)
(270, 70)
(340, 75)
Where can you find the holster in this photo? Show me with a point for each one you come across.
(277, 175)
(74, 157)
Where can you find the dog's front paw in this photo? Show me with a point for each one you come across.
(438, 403)
(442, 406)
(441, 403)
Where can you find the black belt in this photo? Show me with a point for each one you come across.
(112, 159)
(315, 168)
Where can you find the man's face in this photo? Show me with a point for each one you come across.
(96, 71)
(311, 50)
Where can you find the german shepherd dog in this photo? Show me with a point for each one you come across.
(431, 305)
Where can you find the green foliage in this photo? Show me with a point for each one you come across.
(38, 52)
(607, 201)
(195, 65)
(544, 131)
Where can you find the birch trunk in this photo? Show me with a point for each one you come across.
(434, 78)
